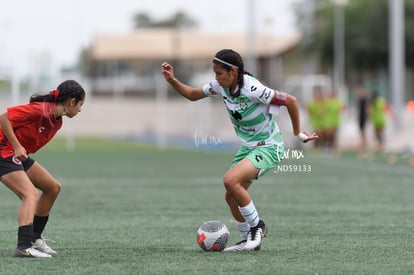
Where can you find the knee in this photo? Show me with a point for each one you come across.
(229, 181)
(53, 188)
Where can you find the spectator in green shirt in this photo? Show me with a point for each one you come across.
(333, 107)
(316, 112)
(377, 114)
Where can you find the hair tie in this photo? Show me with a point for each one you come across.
(55, 94)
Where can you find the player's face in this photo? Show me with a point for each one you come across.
(225, 78)
(74, 107)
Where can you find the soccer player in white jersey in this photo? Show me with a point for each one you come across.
(247, 102)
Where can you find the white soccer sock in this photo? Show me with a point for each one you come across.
(243, 228)
(250, 214)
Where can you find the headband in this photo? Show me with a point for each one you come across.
(55, 94)
(224, 62)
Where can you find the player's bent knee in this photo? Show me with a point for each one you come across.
(58, 187)
(52, 188)
(227, 181)
(230, 182)
(55, 188)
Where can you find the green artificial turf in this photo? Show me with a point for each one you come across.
(127, 208)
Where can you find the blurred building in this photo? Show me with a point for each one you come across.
(128, 63)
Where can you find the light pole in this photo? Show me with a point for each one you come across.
(339, 47)
(250, 37)
(396, 57)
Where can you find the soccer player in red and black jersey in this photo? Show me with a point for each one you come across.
(24, 130)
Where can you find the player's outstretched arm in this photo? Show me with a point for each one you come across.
(293, 110)
(186, 91)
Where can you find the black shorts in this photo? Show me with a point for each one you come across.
(12, 164)
(362, 122)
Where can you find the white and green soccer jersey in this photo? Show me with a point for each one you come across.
(249, 112)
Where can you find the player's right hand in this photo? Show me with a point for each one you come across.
(20, 153)
(167, 70)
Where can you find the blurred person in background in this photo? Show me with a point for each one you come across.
(24, 130)
(377, 114)
(316, 112)
(362, 113)
(333, 108)
(247, 102)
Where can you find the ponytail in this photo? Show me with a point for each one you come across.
(66, 90)
(50, 97)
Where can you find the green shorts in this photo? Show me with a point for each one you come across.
(262, 157)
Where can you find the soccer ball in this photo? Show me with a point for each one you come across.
(213, 236)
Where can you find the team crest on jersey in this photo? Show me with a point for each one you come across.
(243, 104)
(16, 160)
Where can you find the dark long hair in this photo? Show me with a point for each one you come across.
(232, 58)
(65, 90)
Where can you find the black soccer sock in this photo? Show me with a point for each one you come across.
(25, 236)
(39, 224)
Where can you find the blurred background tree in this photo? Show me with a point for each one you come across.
(178, 20)
(366, 33)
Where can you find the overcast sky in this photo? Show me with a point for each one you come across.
(57, 29)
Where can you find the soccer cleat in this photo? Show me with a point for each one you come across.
(237, 247)
(30, 253)
(41, 245)
(255, 236)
